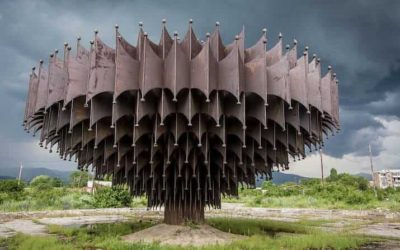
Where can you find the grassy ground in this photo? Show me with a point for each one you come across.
(52, 199)
(340, 191)
(61, 198)
(308, 201)
(73, 198)
(263, 234)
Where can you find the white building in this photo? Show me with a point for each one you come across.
(387, 178)
(91, 188)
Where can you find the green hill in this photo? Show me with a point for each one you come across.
(29, 173)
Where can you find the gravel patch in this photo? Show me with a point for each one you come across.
(381, 229)
(29, 227)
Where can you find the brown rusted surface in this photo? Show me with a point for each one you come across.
(183, 122)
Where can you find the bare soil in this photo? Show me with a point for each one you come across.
(198, 235)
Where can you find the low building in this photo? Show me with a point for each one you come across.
(387, 178)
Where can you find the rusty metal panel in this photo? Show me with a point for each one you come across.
(182, 122)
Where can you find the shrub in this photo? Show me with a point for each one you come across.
(11, 186)
(3, 197)
(111, 197)
(45, 182)
(78, 179)
(333, 176)
(10, 190)
(139, 201)
(75, 200)
(357, 198)
(48, 197)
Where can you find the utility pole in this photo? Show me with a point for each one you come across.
(20, 173)
(93, 181)
(372, 168)
(322, 166)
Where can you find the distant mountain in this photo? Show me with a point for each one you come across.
(29, 173)
(279, 178)
(6, 177)
(365, 175)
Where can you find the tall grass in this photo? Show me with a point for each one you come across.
(27, 242)
(256, 226)
(63, 198)
(51, 199)
(343, 191)
(318, 240)
(270, 234)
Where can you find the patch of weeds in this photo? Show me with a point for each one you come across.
(27, 242)
(256, 226)
(3, 242)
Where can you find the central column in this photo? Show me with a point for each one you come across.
(178, 212)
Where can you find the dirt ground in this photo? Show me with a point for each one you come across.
(182, 235)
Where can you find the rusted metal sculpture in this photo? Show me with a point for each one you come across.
(183, 122)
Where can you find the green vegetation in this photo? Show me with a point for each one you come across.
(11, 190)
(11, 186)
(41, 182)
(78, 179)
(112, 197)
(256, 227)
(272, 234)
(25, 242)
(32, 199)
(47, 193)
(262, 234)
(338, 191)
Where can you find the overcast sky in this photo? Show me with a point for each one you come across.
(360, 39)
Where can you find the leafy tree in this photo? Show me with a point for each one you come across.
(45, 182)
(358, 197)
(11, 186)
(57, 182)
(11, 190)
(111, 197)
(78, 179)
(311, 182)
(333, 175)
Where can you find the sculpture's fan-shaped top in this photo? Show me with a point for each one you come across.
(182, 120)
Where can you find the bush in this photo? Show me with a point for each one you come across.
(358, 198)
(75, 200)
(139, 201)
(48, 198)
(45, 182)
(111, 197)
(343, 191)
(78, 179)
(11, 186)
(10, 190)
(3, 197)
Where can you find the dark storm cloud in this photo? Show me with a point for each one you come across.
(360, 39)
(358, 130)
